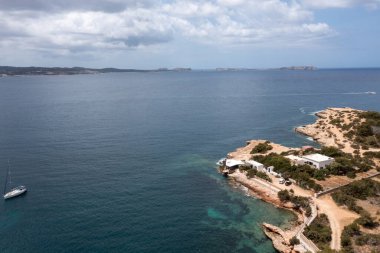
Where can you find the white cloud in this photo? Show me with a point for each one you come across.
(324, 4)
(227, 22)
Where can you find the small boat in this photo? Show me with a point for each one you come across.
(14, 192)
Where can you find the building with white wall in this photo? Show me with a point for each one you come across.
(317, 160)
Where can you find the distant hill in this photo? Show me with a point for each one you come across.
(299, 68)
(15, 71)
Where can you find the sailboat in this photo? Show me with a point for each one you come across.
(14, 192)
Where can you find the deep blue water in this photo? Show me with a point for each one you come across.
(125, 162)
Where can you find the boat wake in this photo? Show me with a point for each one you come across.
(318, 94)
(361, 93)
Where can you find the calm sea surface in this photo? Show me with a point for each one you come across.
(125, 162)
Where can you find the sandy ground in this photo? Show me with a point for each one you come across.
(244, 153)
(297, 190)
(338, 217)
(330, 135)
(335, 181)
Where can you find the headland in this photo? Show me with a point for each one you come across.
(334, 189)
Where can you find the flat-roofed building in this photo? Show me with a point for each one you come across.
(317, 160)
(295, 160)
(256, 165)
(233, 164)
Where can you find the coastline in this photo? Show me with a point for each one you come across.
(326, 133)
(266, 192)
(279, 237)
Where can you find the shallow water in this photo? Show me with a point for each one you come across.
(126, 162)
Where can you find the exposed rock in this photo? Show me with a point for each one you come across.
(279, 239)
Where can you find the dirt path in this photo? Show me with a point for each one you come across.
(338, 218)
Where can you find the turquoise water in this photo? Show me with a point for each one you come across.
(125, 162)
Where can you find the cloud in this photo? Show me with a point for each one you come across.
(325, 4)
(72, 26)
(67, 5)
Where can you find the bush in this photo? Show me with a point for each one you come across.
(319, 231)
(371, 154)
(347, 233)
(367, 221)
(284, 195)
(331, 152)
(261, 148)
(364, 130)
(294, 241)
(361, 189)
(342, 198)
(298, 201)
(251, 173)
(341, 166)
(368, 239)
(279, 162)
(264, 176)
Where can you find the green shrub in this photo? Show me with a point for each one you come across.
(261, 148)
(319, 231)
(294, 241)
(371, 154)
(367, 221)
(284, 195)
(368, 239)
(251, 173)
(364, 130)
(264, 176)
(331, 152)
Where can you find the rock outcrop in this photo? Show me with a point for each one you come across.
(279, 239)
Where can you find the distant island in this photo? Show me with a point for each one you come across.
(309, 68)
(18, 71)
(334, 189)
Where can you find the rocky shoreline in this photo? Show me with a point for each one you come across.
(279, 237)
(328, 130)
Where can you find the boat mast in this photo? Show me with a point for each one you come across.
(6, 178)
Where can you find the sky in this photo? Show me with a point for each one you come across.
(149, 34)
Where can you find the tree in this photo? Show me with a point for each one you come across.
(294, 241)
(284, 195)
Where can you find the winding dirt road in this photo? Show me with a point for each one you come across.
(338, 218)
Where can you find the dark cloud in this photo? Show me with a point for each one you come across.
(146, 40)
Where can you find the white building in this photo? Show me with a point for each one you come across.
(295, 160)
(271, 171)
(233, 164)
(317, 160)
(256, 165)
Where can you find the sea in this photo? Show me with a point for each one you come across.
(125, 162)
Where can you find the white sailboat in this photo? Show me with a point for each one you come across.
(14, 192)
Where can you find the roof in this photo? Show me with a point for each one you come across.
(232, 162)
(318, 158)
(254, 163)
(294, 158)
